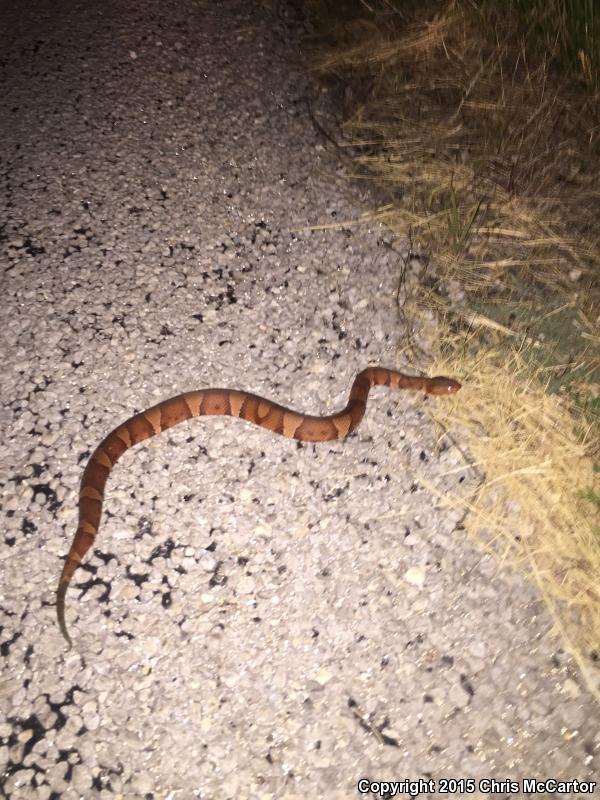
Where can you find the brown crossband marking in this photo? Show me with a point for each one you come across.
(220, 402)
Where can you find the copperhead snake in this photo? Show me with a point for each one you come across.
(220, 402)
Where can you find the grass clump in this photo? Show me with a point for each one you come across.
(484, 148)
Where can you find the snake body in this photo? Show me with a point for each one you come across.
(220, 402)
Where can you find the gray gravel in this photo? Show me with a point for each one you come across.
(260, 619)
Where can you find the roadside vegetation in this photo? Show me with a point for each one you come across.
(478, 126)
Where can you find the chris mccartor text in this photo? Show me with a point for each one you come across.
(465, 786)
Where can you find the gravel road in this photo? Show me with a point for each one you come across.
(259, 618)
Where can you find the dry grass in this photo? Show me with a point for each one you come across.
(531, 508)
(488, 160)
(478, 147)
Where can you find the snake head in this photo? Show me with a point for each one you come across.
(442, 385)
